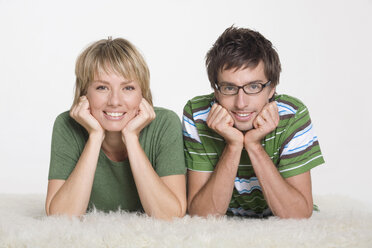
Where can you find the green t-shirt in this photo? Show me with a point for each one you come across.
(113, 185)
(292, 146)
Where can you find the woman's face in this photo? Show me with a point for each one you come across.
(113, 100)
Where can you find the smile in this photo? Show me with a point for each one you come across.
(114, 114)
(242, 116)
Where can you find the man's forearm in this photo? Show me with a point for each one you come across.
(214, 197)
(284, 200)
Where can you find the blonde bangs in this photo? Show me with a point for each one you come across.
(117, 56)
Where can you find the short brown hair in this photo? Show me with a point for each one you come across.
(118, 56)
(242, 48)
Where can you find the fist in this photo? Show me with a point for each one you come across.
(222, 123)
(80, 112)
(264, 123)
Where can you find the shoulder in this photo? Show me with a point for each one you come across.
(66, 125)
(290, 109)
(165, 127)
(165, 120)
(293, 114)
(163, 114)
(63, 116)
(288, 103)
(198, 103)
(63, 119)
(202, 99)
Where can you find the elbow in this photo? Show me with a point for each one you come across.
(299, 214)
(54, 210)
(294, 216)
(182, 211)
(178, 211)
(181, 214)
(47, 207)
(182, 207)
(296, 210)
(62, 213)
(308, 213)
(193, 210)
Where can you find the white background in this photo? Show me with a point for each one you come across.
(324, 46)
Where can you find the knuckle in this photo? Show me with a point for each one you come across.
(212, 125)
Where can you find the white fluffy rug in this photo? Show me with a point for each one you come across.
(342, 222)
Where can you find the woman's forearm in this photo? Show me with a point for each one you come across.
(73, 197)
(158, 200)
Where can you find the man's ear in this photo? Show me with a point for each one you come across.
(216, 96)
(272, 93)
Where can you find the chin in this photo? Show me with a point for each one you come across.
(243, 127)
(113, 128)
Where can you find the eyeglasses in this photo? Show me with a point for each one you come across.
(249, 89)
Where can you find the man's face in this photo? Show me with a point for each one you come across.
(243, 107)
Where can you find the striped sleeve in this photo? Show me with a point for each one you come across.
(196, 156)
(300, 150)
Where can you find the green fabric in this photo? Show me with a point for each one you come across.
(113, 185)
(285, 146)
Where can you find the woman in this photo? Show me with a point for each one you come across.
(113, 149)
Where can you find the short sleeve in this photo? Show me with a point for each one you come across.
(300, 150)
(199, 156)
(169, 159)
(66, 147)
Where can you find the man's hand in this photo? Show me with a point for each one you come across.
(144, 116)
(221, 121)
(265, 122)
(80, 112)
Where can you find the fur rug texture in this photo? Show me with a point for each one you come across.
(341, 222)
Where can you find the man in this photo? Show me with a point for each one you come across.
(249, 151)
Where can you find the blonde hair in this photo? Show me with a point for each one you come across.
(108, 55)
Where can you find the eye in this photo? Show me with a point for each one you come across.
(228, 88)
(254, 87)
(101, 87)
(129, 88)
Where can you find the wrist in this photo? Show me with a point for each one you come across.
(99, 136)
(234, 147)
(129, 137)
(253, 146)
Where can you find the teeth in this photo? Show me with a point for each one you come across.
(242, 115)
(113, 114)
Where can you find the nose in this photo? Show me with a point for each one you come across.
(114, 98)
(241, 99)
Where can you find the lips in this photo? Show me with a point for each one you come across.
(242, 116)
(114, 115)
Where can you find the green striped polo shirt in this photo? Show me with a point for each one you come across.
(292, 146)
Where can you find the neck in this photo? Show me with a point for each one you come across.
(114, 147)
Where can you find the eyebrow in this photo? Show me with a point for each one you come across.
(232, 84)
(106, 82)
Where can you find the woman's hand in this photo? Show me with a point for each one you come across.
(80, 112)
(144, 116)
